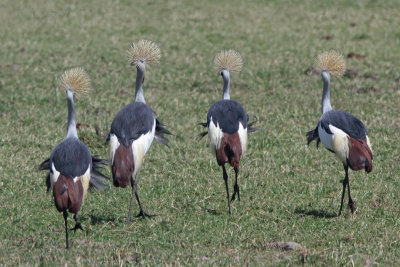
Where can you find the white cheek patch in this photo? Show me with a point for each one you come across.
(243, 137)
(75, 179)
(114, 144)
(215, 135)
(54, 174)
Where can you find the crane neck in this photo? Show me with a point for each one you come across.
(139, 97)
(71, 130)
(326, 95)
(226, 88)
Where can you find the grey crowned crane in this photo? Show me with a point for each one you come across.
(227, 122)
(134, 127)
(339, 131)
(71, 166)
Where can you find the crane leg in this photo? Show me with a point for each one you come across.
(345, 182)
(77, 223)
(236, 187)
(142, 212)
(133, 185)
(225, 176)
(65, 213)
(352, 206)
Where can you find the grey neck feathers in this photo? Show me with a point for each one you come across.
(71, 130)
(226, 89)
(326, 98)
(139, 97)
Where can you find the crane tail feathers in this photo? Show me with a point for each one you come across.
(313, 135)
(250, 128)
(98, 180)
(202, 134)
(45, 165)
(105, 138)
(160, 131)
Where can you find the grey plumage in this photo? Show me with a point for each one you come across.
(135, 119)
(132, 121)
(228, 114)
(71, 157)
(250, 128)
(347, 122)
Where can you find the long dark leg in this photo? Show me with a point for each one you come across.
(65, 213)
(236, 187)
(133, 185)
(77, 223)
(225, 175)
(351, 202)
(142, 212)
(345, 182)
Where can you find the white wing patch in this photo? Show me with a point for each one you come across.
(368, 143)
(215, 135)
(54, 174)
(338, 141)
(85, 178)
(326, 138)
(243, 137)
(114, 144)
(140, 147)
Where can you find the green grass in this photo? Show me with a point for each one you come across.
(289, 191)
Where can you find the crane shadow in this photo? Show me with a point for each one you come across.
(212, 212)
(94, 219)
(315, 213)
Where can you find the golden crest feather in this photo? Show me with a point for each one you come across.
(230, 60)
(147, 51)
(76, 80)
(331, 61)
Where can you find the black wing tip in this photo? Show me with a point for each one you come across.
(313, 135)
(160, 131)
(162, 139)
(99, 180)
(201, 135)
(250, 128)
(45, 165)
(105, 138)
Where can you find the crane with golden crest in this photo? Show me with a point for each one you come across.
(71, 166)
(340, 132)
(135, 126)
(227, 122)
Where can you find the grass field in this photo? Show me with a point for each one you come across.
(289, 192)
